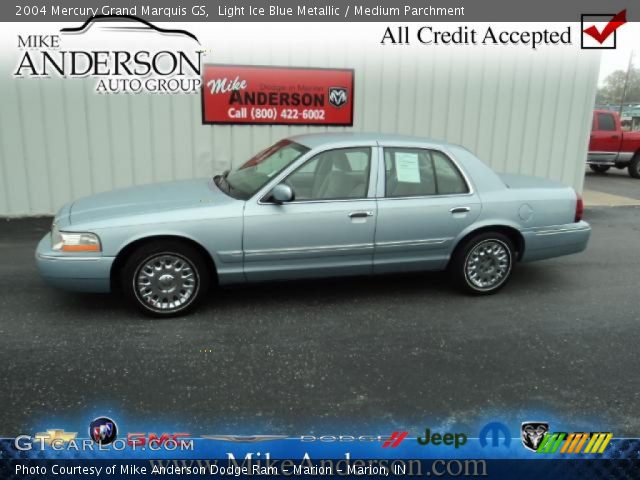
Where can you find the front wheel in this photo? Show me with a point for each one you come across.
(634, 166)
(599, 168)
(165, 278)
(483, 264)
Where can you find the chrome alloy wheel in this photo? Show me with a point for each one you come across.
(488, 265)
(166, 282)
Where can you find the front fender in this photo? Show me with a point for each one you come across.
(220, 238)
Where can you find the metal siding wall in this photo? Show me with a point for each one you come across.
(522, 112)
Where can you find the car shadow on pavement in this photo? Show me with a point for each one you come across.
(423, 287)
(284, 295)
(614, 174)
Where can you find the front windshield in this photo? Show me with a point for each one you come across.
(246, 180)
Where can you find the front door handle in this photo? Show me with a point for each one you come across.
(460, 210)
(363, 214)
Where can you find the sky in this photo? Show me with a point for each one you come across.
(618, 59)
(628, 37)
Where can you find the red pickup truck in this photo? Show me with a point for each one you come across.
(611, 147)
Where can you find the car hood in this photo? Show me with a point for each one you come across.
(146, 199)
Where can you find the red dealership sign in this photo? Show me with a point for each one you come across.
(243, 94)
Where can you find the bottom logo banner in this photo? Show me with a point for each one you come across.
(111, 449)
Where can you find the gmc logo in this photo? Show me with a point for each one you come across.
(153, 440)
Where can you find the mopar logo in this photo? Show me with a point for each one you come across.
(495, 431)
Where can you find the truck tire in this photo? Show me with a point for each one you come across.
(599, 168)
(634, 166)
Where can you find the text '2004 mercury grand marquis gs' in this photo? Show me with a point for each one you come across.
(312, 206)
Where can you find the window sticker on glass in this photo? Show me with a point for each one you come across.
(407, 168)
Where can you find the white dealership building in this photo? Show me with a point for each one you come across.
(521, 110)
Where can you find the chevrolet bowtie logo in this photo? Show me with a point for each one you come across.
(50, 436)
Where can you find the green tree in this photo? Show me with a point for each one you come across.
(613, 88)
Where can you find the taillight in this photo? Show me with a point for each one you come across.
(579, 208)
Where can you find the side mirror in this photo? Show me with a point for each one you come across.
(282, 193)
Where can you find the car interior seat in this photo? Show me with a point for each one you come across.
(340, 181)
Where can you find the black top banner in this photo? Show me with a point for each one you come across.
(318, 10)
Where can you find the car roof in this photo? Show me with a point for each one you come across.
(313, 140)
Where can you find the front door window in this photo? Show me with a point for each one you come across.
(333, 175)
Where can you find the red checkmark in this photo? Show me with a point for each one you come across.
(616, 22)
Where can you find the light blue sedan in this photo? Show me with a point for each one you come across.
(313, 206)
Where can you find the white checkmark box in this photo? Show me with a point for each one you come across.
(599, 21)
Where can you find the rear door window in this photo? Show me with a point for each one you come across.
(416, 172)
(606, 123)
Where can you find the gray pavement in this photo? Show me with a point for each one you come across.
(614, 182)
(560, 342)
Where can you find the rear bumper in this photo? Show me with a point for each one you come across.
(548, 242)
(73, 272)
(611, 159)
(609, 163)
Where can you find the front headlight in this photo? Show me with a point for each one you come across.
(74, 241)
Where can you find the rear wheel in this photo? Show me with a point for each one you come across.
(483, 264)
(599, 168)
(634, 166)
(165, 278)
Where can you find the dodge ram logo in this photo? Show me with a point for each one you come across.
(533, 433)
(337, 96)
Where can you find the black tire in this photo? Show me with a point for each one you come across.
(165, 278)
(459, 267)
(634, 166)
(599, 168)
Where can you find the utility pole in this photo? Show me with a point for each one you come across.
(626, 82)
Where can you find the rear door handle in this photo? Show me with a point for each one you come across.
(460, 209)
(363, 214)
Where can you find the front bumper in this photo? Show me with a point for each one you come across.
(80, 273)
(548, 242)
